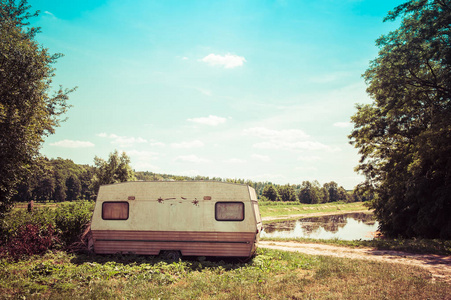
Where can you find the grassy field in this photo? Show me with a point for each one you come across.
(281, 210)
(270, 275)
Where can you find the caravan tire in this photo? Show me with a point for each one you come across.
(172, 255)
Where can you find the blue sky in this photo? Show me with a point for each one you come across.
(260, 90)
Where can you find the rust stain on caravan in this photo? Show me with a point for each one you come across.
(229, 225)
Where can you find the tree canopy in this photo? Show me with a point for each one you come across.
(270, 193)
(116, 169)
(28, 112)
(404, 135)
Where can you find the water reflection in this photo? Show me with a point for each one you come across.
(351, 226)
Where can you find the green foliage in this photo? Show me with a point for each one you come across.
(332, 190)
(30, 240)
(55, 179)
(73, 186)
(270, 193)
(287, 193)
(71, 220)
(404, 136)
(116, 169)
(313, 193)
(27, 112)
(309, 193)
(68, 220)
(270, 275)
(17, 218)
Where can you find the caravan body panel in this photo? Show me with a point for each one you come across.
(196, 218)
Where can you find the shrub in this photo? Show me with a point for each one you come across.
(63, 226)
(31, 239)
(17, 218)
(71, 220)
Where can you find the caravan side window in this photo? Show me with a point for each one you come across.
(115, 210)
(229, 211)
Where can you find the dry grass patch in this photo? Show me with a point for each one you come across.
(270, 275)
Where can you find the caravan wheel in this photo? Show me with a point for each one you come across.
(172, 255)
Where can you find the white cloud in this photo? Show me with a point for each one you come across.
(228, 61)
(143, 160)
(342, 124)
(122, 141)
(210, 120)
(276, 135)
(269, 177)
(235, 161)
(72, 144)
(143, 155)
(158, 144)
(263, 158)
(301, 145)
(49, 14)
(309, 158)
(191, 158)
(204, 91)
(286, 139)
(306, 169)
(188, 145)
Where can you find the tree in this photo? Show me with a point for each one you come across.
(306, 194)
(362, 194)
(311, 193)
(332, 190)
(343, 195)
(59, 194)
(27, 112)
(286, 193)
(116, 169)
(270, 192)
(45, 188)
(324, 195)
(404, 136)
(73, 186)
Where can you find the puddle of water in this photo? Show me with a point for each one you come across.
(352, 226)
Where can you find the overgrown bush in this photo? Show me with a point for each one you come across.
(71, 219)
(28, 233)
(17, 218)
(31, 239)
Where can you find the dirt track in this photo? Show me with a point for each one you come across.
(439, 266)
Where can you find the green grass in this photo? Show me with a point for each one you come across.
(270, 275)
(281, 210)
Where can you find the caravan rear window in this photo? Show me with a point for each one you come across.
(229, 211)
(115, 210)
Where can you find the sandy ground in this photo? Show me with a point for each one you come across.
(439, 266)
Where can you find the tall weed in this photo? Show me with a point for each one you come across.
(71, 219)
(31, 239)
(28, 233)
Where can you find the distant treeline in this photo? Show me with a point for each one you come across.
(63, 180)
(306, 192)
(58, 180)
